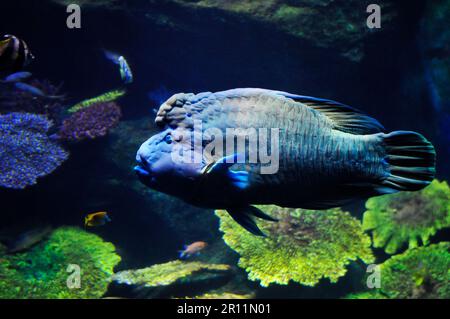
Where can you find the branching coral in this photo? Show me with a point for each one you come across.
(26, 151)
(166, 274)
(104, 98)
(304, 246)
(42, 271)
(90, 123)
(408, 216)
(421, 272)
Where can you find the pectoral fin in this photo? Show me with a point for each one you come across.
(239, 179)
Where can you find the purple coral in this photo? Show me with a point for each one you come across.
(92, 122)
(26, 152)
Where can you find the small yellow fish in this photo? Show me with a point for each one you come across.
(96, 219)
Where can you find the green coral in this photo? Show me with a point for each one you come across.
(407, 217)
(422, 272)
(166, 274)
(104, 98)
(222, 295)
(41, 272)
(303, 246)
(366, 295)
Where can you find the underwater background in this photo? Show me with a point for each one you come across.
(399, 74)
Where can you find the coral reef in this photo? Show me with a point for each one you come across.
(223, 295)
(366, 295)
(15, 100)
(41, 272)
(172, 279)
(90, 123)
(407, 217)
(167, 274)
(421, 272)
(104, 98)
(304, 246)
(27, 152)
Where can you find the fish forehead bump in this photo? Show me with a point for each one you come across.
(178, 109)
(176, 100)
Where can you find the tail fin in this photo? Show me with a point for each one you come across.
(411, 159)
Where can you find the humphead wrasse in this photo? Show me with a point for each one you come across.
(329, 154)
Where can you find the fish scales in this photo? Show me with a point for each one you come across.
(307, 133)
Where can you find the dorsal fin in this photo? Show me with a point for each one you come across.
(344, 117)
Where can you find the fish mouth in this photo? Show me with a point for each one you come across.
(143, 168)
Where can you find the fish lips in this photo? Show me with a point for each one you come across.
(143, 171)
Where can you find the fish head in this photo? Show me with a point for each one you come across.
(161, 168)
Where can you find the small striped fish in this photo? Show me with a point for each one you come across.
(14, 54)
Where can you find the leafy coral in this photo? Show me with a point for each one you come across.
(166, 274)
(41, 272)
(27, 152)
(303, 246)
(418, 273)
(421, 272)
(407, 217)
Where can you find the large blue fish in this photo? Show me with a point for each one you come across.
(329, 154)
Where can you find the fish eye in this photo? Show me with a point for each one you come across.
(168, 139)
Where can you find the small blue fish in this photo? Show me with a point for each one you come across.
(35, 91)
(17, 77)
(125, 71)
